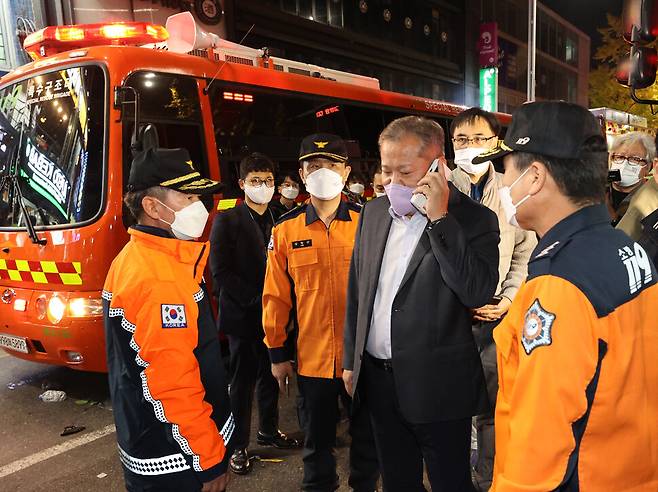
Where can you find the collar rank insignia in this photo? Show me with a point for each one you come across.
(307, 243)
(320, 145)
(537, 327)
(173, 316)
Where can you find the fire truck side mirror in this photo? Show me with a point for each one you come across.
(186, 36)
(640, 20)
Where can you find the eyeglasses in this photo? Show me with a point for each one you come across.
(632, 159)
(461, 142)
(256, 182)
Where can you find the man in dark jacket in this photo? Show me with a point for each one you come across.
(649, 238)
(238, 257)
(167, 382)
(409, 349)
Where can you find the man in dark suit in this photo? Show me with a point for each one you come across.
(409, 349)
(238, 257)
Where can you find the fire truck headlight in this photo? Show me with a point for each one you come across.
(82, 308)
(56, 309)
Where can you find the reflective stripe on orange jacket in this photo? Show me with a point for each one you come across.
(306, 278)
(167, 381)
(577, 406)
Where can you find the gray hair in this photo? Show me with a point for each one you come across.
(634, 137)
(133, 199)
(429, 132)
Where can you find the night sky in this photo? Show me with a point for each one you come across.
(587, 15)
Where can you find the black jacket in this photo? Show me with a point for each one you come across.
(649, 238)
(436, 366)
(238, 257)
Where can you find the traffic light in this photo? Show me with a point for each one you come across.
(637, 70)
(642, 72)
(641, 15)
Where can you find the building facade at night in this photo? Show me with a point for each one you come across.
(426, 48)
(415, 47)
(562, 61)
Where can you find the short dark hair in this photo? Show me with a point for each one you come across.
(133, 199)
(582, 180)
(288, 174)
(255, 163)
(356, 176)
(469, 116)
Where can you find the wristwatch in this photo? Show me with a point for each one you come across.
(433, 223)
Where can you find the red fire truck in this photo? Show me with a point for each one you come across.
(67, 123)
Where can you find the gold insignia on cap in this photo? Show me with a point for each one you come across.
(189, 163)
(320, 145)
(504, 146)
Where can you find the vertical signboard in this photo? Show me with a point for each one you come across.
(489, 89)
(488, 44)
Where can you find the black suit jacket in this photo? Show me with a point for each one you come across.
(238, 256)
(436, 367)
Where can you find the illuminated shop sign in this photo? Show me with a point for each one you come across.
(489, 89)
(50, 180)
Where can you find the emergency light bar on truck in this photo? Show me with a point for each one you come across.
(181, 35)
(55, 39)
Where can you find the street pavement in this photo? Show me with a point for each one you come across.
(34, 457)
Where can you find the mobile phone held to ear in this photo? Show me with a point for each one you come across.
(419, 200)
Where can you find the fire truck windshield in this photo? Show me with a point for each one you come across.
(60, 162)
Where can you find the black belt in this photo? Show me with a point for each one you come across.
(384, 364)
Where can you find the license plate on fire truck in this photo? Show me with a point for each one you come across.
(11, 342)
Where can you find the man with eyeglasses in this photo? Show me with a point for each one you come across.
(632, 154)
(474, 132)
(237, 261)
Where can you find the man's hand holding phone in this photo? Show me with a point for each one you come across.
(433, 187)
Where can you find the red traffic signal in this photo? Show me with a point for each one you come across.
(643, 67)
(638, 68)
(641, 16)
(623, 70)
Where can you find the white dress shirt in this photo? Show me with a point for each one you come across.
(402, 240)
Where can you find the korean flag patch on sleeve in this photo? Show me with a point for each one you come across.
(173, 316)
(537, 327)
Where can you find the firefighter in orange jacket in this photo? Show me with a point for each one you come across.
(577, 405)
(167, 382)
(306, 281)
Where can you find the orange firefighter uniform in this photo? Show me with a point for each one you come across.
(306, 280)
(167, 382)
(577, 406)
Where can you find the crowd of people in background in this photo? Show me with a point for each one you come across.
(498, 334)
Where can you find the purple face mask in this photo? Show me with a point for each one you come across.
(400, 198)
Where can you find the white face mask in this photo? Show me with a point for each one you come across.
(357, 188)
(464, 159)
(380, 194)
(259, 194)
(630, 174)
(289, 192)
(324, 184)
(189, 222)
(509, 207)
